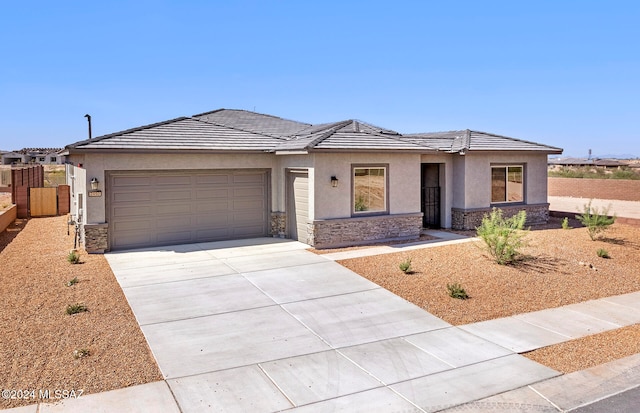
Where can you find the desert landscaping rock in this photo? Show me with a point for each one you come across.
(552, 274)
(39, 341)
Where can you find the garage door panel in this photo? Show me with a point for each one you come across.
(131, 239)
(127, 181)
(214, 193)
(213, 207)
(178, 180)
(170, 237)
(215, 220)
(164, 209)
(176, 222)
(175, 195)
(248, 178)
(132, 225)
(190, 206)
(212, 179)
(131, 211)
(250, 192)
(130, 197)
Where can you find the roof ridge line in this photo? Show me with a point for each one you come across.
(123, 132)
(324, 135)
(208, 122)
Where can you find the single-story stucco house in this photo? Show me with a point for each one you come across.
(45, 156)
(231, 174)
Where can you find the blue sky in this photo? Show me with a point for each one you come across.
(564, 73)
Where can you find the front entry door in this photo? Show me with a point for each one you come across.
(430, 195)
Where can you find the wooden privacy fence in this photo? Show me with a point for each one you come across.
(44, 202)
(30, 196)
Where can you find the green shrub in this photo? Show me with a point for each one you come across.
(565, 223)
(73, 281)
(602, 253)
(405, 266)
(456, 291)
(73, 257)
(597, 221)
(503, 237)
(76, 308)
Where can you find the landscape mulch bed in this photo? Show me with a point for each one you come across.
(39, 338)
(560, 267)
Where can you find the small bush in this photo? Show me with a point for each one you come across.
(602, 253)
(76, 308)
(405, 266)
(81, 352)
(597, 221)
(565, 223)
(503, 237)
(73, 257)
(456, 291)
(72, 281)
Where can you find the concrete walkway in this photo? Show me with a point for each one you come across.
(623, 209)
(263, 326)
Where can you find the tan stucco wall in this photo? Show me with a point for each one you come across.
(476, 168)
(403, 177)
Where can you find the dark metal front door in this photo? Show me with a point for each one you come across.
(430, 195)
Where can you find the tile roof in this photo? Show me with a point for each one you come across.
(181, 134)
(251, 121)
(468, 140)
(240, 130)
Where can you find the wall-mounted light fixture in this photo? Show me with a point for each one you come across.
(334, 181)
(95, 184)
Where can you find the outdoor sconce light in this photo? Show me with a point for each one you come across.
(95, 184)
(334, 181)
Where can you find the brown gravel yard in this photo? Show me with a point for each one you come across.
(38, 338)
(556, 272)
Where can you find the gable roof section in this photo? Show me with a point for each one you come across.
(240, 130)
(253, 122)
(347, 135)
(181, 134)
(469, 140)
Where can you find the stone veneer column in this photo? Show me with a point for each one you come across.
(96, 238)
(278, 224)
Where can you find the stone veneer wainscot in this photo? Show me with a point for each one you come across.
(342, 232)
(469, 219)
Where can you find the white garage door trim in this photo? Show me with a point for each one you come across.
(155, 208)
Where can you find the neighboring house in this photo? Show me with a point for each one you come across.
(44, 156)
(231, 174)
(557, 163)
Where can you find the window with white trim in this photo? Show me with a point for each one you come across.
(507, 183)
(369, 190)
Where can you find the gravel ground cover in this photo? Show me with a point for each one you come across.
(560, 267)
(39, 338)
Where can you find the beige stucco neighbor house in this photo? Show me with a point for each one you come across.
(231, 174)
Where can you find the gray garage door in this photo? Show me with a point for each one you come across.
(163, 208)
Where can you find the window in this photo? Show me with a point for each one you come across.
(369, 190)
(53, 159)
(41, 159)
(507, 184)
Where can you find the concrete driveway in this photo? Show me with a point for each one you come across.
(262, 325)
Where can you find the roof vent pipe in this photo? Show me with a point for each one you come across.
(89, 120)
